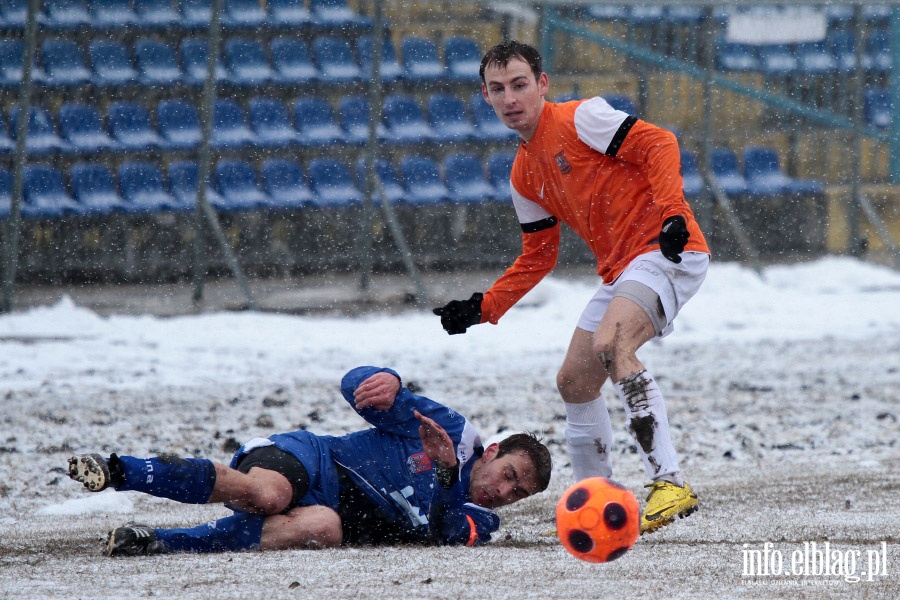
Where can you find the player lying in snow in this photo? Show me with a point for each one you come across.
(420, 475)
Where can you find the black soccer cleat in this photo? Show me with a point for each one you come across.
(133, 540)
(92, 470)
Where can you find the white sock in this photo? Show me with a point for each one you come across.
(646, 421)
(588, 436)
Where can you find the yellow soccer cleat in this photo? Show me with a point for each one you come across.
(664, 502)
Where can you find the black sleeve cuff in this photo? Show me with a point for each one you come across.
(447, 476)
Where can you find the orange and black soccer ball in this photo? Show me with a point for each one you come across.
(597, 520)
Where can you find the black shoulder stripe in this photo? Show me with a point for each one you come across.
(539, 225)
(617, 140)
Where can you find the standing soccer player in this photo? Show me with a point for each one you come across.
(616, 181)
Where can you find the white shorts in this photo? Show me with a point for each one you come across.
(654, 283)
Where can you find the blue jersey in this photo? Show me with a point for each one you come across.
(388, 465)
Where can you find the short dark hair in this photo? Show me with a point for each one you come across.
(502, 53)
(532, 447)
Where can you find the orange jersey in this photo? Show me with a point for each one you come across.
(613, 178)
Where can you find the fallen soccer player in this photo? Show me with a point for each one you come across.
(420, 475)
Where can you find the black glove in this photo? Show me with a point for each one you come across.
(673, 237)
(459, 315)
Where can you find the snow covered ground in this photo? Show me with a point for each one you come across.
(783, 392)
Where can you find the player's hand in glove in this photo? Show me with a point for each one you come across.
(673, 237)
(459, 315)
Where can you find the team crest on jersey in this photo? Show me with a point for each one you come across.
(562, 162)
(418, 463)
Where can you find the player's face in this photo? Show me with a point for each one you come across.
(498, 481)
(516, 95)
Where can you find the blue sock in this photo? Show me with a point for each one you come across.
(240, 531)
(188, 480)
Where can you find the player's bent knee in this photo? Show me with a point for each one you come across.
(270, 502)
(269, 493)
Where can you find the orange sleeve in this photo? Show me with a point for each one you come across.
(656, 149)
(540, 251)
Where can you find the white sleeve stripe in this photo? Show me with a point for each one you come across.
(597, 123)
(526, 210)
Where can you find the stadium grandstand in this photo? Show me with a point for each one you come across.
(129, 153)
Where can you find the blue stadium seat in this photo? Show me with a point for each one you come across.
(488, 127)
(44, 193)
(271, 123)
(65, 14)
(724, 167)
(336, 14)
(404, 122)
(422, 181)
(12, 53)
(777, 59)
(129, 124)
(285, 183)
(390, 67)
(448, 119)
(765, 177)
(842, 45)
(94, 189)
(42, 136)
(420, 60)
(684, 15)
(5, 193)
(608, 12)
(463, 59)
(331, 182)
(156, 63)
(315, 124)
(353, 118)
(82, 127)
(244, 14)
(178, 123)
(238, 185)
(183, 176)
(141, 186)
(877, 107)
(14, 13)
(622, 102)
(464, 177)
(111, 63)
(111, 14)
(876, 15)
(877, 53)
(647, 14)
(247, 62)
(693, 181)
(736, 57)
(289, 13)
(292, 61)
(815, 58)
(196, 13)
(335, 60)
(387, 176)
(156, 15)
(838, 15)
(230, 128)
(193, 53)
(499, 168)
(63, 63)
(7, 145)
